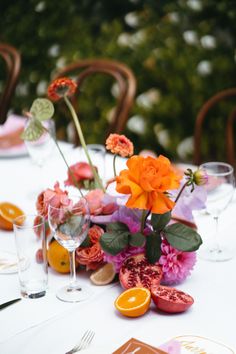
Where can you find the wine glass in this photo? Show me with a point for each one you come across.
(70, 225)
(41, 150)
(220, 189)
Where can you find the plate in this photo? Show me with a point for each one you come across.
(15, 151)
(9, 263)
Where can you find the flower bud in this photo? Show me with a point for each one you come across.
(200, 177)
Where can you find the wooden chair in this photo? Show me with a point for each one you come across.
(208, 105)
(120, 72)
(12, 61)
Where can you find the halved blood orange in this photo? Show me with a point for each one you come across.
(133, 302)
(8, 212)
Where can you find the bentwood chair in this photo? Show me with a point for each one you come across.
(220, 97)
(12, 61)
(123, 76)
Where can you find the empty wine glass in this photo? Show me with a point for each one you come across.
(40, 151)
(220, 189)
(70, 225)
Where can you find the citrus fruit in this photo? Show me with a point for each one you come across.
(133, 302)
(8, 212)
(58, 257)
(104, 275)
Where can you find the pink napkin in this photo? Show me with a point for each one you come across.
(10, 133)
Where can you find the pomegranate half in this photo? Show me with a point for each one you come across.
(136, 271)
(170, 299)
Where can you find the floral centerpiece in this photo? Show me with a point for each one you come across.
(142, 222)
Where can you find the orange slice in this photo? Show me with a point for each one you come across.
(133, 302)
(8, 212)
(104, 275)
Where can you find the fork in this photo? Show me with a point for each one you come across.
(83, 343)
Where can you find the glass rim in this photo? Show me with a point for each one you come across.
(214, 163)
(34, 216)
(66, 207)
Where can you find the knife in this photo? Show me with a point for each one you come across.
(8, 303)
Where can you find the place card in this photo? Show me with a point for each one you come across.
(200, 345)
(134, 346)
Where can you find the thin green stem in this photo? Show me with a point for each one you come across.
(114, 165)
(82, 140)
(143, 220)
(63, 157)
(181, 191)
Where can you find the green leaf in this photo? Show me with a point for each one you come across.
(137, 239)
(159, 221)
(42, 109)
(33, 131)
(114, 243)
(153, 247)
(117, 227)
(182, 237)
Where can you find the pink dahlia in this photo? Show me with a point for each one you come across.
(176, 265)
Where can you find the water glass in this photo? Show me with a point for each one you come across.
(31, 248)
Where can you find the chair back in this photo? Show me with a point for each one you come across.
(12, 60)
(229, 137)
(120, 72)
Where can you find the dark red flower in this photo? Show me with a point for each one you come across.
(61, 87)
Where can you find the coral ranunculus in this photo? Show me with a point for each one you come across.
(148, 180)
(61, 87)
(81, 172)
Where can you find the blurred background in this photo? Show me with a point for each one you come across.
(181, 53)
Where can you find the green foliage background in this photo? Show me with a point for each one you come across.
(181, 52)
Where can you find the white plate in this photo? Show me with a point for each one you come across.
(9, 263)
(15, 151)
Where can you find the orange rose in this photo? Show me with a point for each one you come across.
(92, 256)
(147, 180)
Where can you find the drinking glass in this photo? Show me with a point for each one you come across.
(31, 250)
(40, 151)
(70, 225)
(42, 148)
(220, 189)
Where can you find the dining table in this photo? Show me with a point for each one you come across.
(50, 326)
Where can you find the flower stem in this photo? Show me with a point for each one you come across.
(143, 220)
(69, 169)
(81, 137)
(114, 165)
(181, 191)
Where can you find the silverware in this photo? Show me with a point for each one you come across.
(8, 303)
(83, 343)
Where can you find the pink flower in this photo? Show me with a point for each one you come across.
(55, 197)
(81, 172)
(99, 203)
(176, 265)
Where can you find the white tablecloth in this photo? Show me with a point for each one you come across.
(48, 325)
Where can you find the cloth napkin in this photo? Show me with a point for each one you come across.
(10, 132)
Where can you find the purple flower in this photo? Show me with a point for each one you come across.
(176, 265)
(190, 201)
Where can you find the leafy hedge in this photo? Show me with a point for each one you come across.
(181, 52)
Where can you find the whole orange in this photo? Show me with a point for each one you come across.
(58, 257)
(8, 212)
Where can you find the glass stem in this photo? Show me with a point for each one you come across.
(72, 269)
(216, 240)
